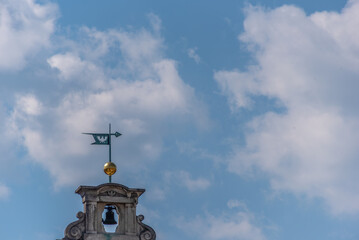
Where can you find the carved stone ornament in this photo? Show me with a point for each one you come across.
(111, 193)
(75, 230)
(147, 232)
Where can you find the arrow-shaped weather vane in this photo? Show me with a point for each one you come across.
(105, 139)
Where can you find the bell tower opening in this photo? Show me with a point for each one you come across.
(110, 218)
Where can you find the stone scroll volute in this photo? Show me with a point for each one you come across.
(75, 230)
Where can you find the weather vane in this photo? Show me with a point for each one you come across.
(105, 139)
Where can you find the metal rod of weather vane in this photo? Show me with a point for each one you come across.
(109, 148)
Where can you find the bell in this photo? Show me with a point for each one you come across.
(110, 216)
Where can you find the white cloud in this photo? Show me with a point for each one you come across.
(156, 23)
(25, 28)
(308, 65)
(184, 178)
(192, 53)
(237, 226)
(140, 93)
(76, 70)
(241, 82)
(29, 105)
(234, 203)
(71, 66)
(156, 193)
(192, 150)
(4, 191)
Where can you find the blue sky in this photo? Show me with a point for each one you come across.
(239, 118)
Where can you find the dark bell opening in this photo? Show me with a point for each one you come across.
(110, 216)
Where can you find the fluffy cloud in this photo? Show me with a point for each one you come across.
(25, 28)
(237, 225)
(184, 178)
(192, 53)
(71, 66)
(234, 203)
(308, 66)
(28, 105)
(139, 92)
(4, 191)
(158, 192)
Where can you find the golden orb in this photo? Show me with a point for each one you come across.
(109, 168)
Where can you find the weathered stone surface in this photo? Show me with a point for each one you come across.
(109, 236)
(124, 200)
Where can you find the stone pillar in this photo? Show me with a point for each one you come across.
(121, 228)
(90, 209)
(99, 226)
(131, 219)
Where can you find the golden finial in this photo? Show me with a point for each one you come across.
(109, 168)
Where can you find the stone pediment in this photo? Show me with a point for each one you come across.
(110, 192)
